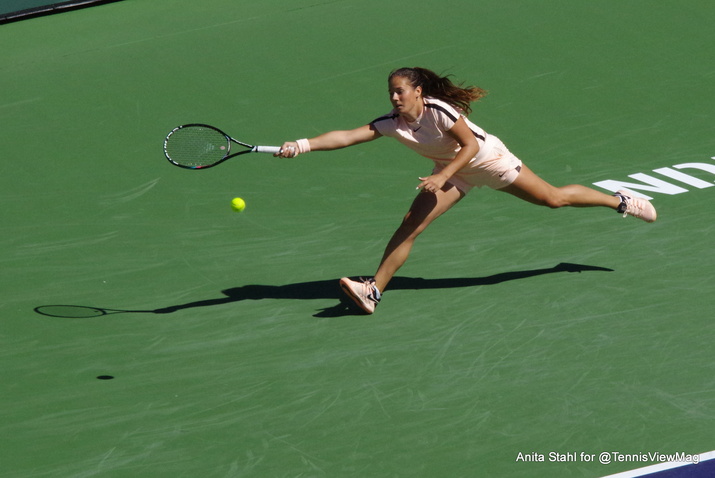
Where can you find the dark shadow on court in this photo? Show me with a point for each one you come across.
(324, 289)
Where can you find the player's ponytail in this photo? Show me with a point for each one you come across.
(441, 87)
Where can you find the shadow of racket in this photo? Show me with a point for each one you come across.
(82, 311)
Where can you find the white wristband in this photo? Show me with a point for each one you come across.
(303, 145)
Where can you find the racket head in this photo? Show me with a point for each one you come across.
(197, 146)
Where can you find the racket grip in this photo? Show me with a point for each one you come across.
(268, 149)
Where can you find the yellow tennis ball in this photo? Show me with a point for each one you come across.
(238, 204)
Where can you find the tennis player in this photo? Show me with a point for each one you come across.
(429, 116)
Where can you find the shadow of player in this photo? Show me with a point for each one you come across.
(323, 289)
(329, 289)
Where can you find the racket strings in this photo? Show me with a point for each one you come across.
(196, 146)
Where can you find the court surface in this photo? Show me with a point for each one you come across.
(513, 333)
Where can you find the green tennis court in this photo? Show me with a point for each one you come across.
(224, 349)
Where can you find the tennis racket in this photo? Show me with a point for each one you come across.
(200, 146)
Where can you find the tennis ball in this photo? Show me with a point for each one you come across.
(238, 204)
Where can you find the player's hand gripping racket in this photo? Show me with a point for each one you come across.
(200, 146)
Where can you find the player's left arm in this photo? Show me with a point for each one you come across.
(469, 148)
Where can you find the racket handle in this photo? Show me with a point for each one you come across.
(267, 149)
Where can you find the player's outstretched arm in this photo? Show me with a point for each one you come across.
(329, 141)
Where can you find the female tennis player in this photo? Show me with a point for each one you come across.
(429, 116)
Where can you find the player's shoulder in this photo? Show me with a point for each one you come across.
(438, 106)
(391, 116)
(386, 124)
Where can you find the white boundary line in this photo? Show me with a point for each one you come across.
(660, 467)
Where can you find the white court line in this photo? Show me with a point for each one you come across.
(660, 467)
(21, 102)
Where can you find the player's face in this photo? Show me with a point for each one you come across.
(405, 98)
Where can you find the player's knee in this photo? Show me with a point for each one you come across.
(555, 200)
(413, 224)
(555, 204)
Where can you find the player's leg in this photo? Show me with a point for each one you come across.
(530, 187)
(425, 208)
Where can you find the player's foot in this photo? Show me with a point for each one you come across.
(364, 293)
(636, 207)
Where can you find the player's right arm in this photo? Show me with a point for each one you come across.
(331, 140)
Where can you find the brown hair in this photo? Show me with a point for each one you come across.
(440, 87)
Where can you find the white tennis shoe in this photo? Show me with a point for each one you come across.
(635, 206)
(364, 293)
